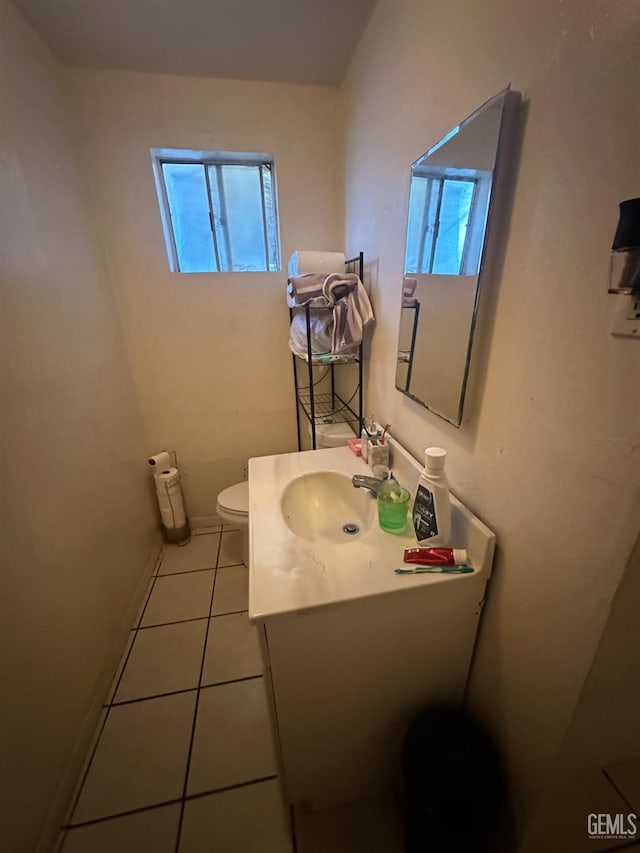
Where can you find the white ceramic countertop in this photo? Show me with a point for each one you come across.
(290, 574)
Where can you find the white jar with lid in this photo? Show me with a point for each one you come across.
(432, 506)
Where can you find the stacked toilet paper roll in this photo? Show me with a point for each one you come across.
(170, 501)
(160, 461)
(315, 262)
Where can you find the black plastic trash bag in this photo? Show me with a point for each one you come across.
(455, 788)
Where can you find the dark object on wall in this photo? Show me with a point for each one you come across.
(455, 788)
(625, 257)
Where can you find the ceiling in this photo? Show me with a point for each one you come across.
(292, 41)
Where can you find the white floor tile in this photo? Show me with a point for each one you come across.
(179, 597)
(231, 548)
(233, 737)
(245, 820)
(141, 757)
(200, 553)
(358, 827)
(123, 660)
(153, 831)
(163, 660)
(231, 593)
(87, 760)
(147, 593)
(232, 649)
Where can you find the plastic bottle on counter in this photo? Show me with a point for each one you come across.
(432, 506)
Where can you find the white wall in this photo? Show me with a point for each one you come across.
(549, 458)
(209, 352)
(603, 731)
(78, 527)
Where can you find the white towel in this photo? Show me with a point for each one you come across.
(352, 314)
(352, 311)
(307, 288)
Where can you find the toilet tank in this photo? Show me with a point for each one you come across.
(332, 435)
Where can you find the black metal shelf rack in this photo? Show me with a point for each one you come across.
(330, 407)
(406, 356)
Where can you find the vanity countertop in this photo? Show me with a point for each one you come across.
(289, 574)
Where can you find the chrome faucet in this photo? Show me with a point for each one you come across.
(373, 484)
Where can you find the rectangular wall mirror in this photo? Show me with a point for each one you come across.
(449, 208)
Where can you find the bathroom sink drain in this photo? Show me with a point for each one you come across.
(351, 528)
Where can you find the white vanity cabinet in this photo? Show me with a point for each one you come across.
(348, 679)
(353, 651)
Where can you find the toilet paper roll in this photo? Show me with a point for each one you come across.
(322, 262)
(173, 517)
(160, 461)
(169, 495)
(166, 478)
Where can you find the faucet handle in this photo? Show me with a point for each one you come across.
(382, 472)
(373, 484)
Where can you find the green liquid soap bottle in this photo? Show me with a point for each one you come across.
(393, 503)
(432, 506)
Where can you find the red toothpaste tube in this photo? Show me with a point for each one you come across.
(436, 556)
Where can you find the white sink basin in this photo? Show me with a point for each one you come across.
(324, 506)
(299, 504)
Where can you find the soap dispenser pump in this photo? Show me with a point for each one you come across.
(432, 506)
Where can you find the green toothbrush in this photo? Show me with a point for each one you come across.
(435, 570)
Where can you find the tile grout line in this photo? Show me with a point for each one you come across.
(163, 804)
(158, 565)
(195, 710)
(212, 791)
(175, 621)
(107, 708)
(146, 604)
(618, 791)
(183, 690)
(229, 613)
(173, 802)
(185, 572)
(231, 681)
(142, 627)
(193, 618)
(150, 698)
(89, 764)
(133, 642)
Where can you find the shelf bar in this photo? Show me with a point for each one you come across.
(324, 412)
(413, 344)
(327, 408)
(310, 365)
(296, 389)
(333, 388)
(342, 358)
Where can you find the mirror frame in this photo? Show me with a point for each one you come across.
(504, 94)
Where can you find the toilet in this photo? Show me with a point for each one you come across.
(331, 434)
(233, 503)
(233, 508)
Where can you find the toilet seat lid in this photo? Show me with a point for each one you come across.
(235, 498)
